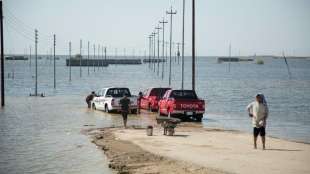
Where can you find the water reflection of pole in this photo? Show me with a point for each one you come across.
(88, 57)
(54, 62)
(163, 47)
(36, 62)
(183, 23)
(158, 28)
(171, 13)
(70, 61)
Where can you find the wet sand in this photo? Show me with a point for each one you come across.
(194, 149)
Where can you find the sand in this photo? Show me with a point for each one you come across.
(202, 150)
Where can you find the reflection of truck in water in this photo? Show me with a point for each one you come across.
(183, 104)
(151, 98)
(107, 99)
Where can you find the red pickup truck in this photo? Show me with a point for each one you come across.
(182, 103)
(151, 98)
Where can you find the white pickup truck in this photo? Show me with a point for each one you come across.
(107, 99)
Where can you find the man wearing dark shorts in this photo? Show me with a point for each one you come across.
(258, 110)
(124, 102)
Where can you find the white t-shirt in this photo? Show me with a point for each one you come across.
(259, 112)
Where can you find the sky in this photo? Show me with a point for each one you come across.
(262, 27)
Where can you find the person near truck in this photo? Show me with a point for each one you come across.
(125, 102)
(258, 111)
(89, 98)
(139, 101)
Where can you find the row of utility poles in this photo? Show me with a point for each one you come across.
(54, 58)
(152, 46)
(103, 50)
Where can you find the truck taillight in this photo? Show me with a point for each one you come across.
(112, 102)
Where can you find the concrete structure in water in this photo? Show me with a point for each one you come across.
(153, 60)
(101, 62)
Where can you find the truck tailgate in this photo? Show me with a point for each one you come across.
(190, 105)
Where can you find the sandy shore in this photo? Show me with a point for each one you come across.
(194, 149)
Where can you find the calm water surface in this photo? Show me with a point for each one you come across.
(43, 135)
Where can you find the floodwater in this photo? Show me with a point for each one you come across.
(43, 135)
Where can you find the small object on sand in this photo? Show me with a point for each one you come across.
(168, 124)
(149, 130)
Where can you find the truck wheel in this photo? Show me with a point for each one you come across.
(94, 106)
(199, 117)
(134, 111)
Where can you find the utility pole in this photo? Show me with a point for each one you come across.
(167, 44)
(105, 53)
(229, 57)
(2, 57)
(36, 62)
(154, 49)
(94, 58)
(150, 49)
(98, 63)
(158, 28)
(178, 52)
(115, 53)
(88, 57)
(193, 45)
(81, 58)
(30, 56)
(170, 13)
(54, 62)
(70, 61)
(183, 30)
(102, 51)
(163, 47)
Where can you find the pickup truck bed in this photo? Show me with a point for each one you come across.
(107, 99)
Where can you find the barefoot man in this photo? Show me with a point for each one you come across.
(258, 110)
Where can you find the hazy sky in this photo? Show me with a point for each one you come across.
(251, 26)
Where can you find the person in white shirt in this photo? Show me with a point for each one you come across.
(258, 110)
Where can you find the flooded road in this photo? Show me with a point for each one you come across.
(49, 139)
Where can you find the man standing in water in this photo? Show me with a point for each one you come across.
(258, 110)
(124, 102)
